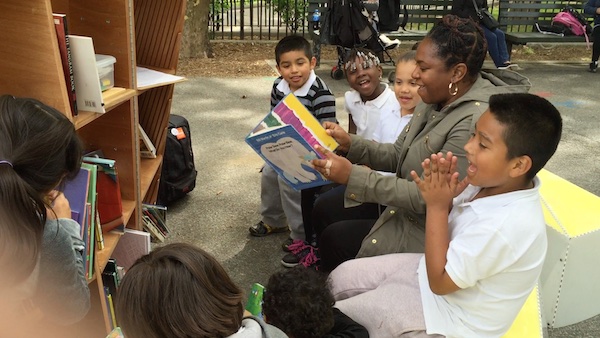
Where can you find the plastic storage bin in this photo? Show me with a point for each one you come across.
(106, 70)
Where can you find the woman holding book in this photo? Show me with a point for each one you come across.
(454, 95)
(39, 242)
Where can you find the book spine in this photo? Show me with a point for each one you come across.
(62, 33)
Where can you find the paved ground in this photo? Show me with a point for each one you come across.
(225, 203)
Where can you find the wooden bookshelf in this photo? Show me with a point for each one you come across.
(136, 32)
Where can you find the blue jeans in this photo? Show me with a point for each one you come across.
(496, 45)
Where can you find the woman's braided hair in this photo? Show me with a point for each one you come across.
(459, 40)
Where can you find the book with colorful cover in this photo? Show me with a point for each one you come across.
(108, 188)
(285, 139)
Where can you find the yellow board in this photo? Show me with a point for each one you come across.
(529, 320)
(563, 200)
(569, 283)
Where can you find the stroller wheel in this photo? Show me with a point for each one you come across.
(337, 73)
(392, 76)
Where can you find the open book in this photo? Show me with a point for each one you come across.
(285, 139)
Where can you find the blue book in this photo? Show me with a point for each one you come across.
(289, 155)
(76, 191)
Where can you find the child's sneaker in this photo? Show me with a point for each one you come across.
(298, 249)
(593, 66)
(311, 260)
(290, 244)
(262, 229)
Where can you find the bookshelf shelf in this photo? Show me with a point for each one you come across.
(115, 96)
(112, 98)
(129, 208)
(135, 32)
(148, 172)
(110, 242)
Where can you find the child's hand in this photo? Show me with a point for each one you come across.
(339, 134)
(440, 180)
(333, 167)
(60, 206)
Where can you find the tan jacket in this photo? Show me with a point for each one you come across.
(401, 227)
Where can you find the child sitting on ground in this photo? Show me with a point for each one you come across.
(300, 303)
(376, 114)
(41, 251)
(178, 291)
(483, 259)
(280, 203)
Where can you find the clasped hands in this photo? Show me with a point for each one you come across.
(440, 183)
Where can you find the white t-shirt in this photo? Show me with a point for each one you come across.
(391, 124)
(367, 115)
(496, 253)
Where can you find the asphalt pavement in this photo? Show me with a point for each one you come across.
(221, 112)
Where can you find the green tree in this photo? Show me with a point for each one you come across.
(292, 12)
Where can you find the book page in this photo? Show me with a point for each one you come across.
(148, 78)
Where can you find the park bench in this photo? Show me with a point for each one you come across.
(422, 15)
(518, 19)
(421, 18)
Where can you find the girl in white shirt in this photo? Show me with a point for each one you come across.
(392, 123)
(375, 112)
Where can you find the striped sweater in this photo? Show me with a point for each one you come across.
(317, 98)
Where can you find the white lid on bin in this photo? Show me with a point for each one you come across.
(104, 60)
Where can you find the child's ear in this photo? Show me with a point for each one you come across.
(521, 166)
(313, 63)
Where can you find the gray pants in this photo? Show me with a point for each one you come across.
(280, 203)
(382, 294)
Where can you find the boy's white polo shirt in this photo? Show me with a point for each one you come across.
(284, 86)
(497, 249)
(367, 115)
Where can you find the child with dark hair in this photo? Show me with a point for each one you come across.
(377, 112)
(39, 242)
(178, 291)
(299, 302)
(485, 239)
(280, 204)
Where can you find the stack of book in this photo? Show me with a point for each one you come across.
(154, 218)
(94, 196)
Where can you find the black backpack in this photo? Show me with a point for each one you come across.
(389, 15)
(178, 176)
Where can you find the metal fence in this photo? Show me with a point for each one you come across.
(257, 19)
(266, 19)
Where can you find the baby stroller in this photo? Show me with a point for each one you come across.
(350, 24)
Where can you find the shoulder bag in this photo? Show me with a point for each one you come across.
(486, 18)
